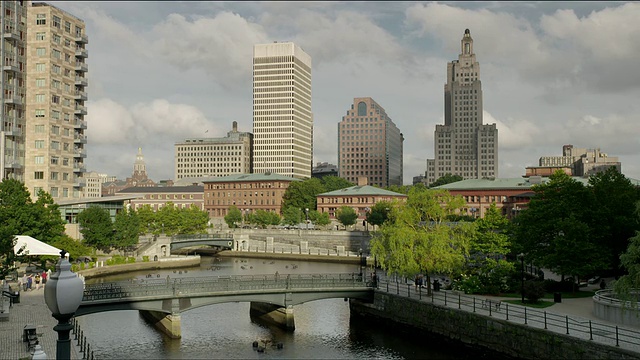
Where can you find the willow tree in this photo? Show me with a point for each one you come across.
(417, 238)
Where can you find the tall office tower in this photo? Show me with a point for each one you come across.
(282, 118)
(56, 68)
(12, 115)
(206, 157)
(369, 145)
(464, 145)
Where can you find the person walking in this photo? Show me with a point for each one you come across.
(44, 278)
(24, 282)
(29, 282)
(37, 280)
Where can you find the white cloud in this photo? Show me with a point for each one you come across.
(513, 133)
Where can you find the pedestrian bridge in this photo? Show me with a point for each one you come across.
(224, 241)
(272, 297)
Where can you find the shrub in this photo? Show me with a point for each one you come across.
(81, 266)
(533, 290)
(145, 258)
(131, 260)
(92, 265)
(468, 284)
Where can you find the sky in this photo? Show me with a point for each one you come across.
(553, 73)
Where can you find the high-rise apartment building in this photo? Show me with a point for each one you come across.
(207, 157)
(13, 15)
(369, 145)
(464, 145)
(282, 118)
(55, 100)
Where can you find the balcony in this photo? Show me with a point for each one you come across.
(79, 182)
(10, 32)
(80, 95)
(82, 53)
(12, 99)
(81, 66)
(79, 153)
(11, 163)
(81, 81)
(79, 168)
(79, 124)
(13, 131)
(80, 139)
(81, 39)
(10, 64)
(80, 110)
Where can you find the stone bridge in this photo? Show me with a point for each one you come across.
(223, 241)
(272, 297)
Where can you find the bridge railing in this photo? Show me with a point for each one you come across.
(194, 286)
(186, 237)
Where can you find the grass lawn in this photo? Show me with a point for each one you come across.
(541, 304)
(565, 295)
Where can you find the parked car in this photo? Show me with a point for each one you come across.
(594, 279)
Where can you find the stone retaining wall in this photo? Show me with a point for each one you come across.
(512, 339)
(172, 263)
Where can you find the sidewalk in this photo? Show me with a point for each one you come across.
(31, 310)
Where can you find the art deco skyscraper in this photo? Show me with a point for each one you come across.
(12, 112)
(55, 136)
(464, 145)
(369, 145)
(282, 118)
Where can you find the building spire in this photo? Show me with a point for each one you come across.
(466, 46)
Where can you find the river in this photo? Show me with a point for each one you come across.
(324, 329)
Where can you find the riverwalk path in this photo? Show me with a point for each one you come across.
(31, 310)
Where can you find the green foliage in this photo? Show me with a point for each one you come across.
(533, 290)
(321, 219)
(469, 284)
(233, 217)
(126, 229)
(446, 179)
(50, 223)
(626, 286)
(96, 227)
(379, 213)
(73, 247)
(292, 216)
(346, 215)
(147, 218)
(264, 218)
(169, 219)
(302, 194)
(145, 258)
(332, 183)
(415, 239)
(402, 189)
(555, 231)
(193, 220)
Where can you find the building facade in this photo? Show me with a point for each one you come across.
(139, 178)
(205, 157)
(247, 192)
(369, 145)
(55, 99)
(282, 118)
(323, 169)
(13, 15)
(582, 162)
(361, 198)
(94, 181)
(464, 145)
(182, 197)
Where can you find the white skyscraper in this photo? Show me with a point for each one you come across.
(464, 145)
(282, 118)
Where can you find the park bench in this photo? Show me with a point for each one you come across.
(487, 303)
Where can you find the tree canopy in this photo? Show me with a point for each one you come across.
(379, 212)
(446, 179)
(96, 227)
(302, 194)
(233, 217)
(346, 215)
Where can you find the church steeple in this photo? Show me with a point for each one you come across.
(139, 167)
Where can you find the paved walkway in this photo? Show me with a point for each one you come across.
(31, 310)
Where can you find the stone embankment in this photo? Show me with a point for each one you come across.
(169, 263)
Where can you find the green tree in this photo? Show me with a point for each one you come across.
(73, 247)
(292, 216)
(126, 229)
(264, 218)
(169, 219)
(193, 220)
(346, 216)
(322, 219)
(302, 194)
(51, 225)
(402, 189)
(332, 183)
(627, 285)
(379, 213)
(554, 231)
(416, 238)
(446, 179)
(233, 217)
(96, 227)
(148, 221)
(615, 222)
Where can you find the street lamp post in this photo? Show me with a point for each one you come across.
(63, 295)
(306, 214)
(362, 260)
(521, 258)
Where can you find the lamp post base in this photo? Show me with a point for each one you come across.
(64, 327)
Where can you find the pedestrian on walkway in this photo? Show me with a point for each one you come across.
(44, 278)
(24, 282)
(29, 282)
(37, 280)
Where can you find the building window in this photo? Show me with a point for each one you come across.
(40, 98)
(41, 67)
(56, 100)
(67, 27)
(38, 175)
(56, 84)
(65, 192)
(39, 144)
(41, 82)
(56, 54)
(55, 160)
(38, 160)
(41, 19)
(55, 145)
(39, 129)
(55, 115)
(56, 39)
(54, 192)
(55, 130)
(41, 51)
(54, 175)
(56, 22)
(40, 36)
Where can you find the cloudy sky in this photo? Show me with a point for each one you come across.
(553, 73)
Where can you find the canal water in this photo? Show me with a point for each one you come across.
(324, 329)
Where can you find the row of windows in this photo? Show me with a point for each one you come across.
(245, 185)
(53, 175)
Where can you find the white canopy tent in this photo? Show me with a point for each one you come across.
(34, 247)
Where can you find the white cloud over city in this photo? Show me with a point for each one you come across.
(552, 73)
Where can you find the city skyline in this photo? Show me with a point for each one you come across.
(553, 74)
